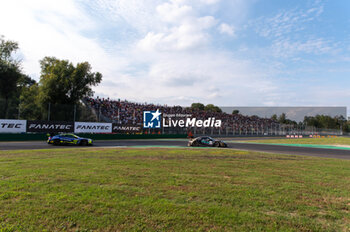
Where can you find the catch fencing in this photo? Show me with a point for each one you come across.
(253, 131)
(35, 126)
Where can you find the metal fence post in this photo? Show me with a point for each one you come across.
(19, 110)
(75, 111)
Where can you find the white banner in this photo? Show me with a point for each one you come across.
(13, 126)
(92, 127)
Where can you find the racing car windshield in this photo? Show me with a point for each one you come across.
(70, 136)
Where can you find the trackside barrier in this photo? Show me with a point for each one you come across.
(328, 136)
(294, 136)
(312, 136)
(37, 126)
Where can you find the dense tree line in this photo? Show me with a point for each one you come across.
(318, 121)
(61, 87)
(209, 107)
(283, 119)
(327, 122)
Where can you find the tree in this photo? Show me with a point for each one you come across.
(197, 106)
(274, 117)
(29, 106)
(7, 48)
(61, 88)
(235, 112)
(25, 81)
(9, 72)
(212, 108)
(346, 126)
(63, 83)
(282, 118)
(326, 122)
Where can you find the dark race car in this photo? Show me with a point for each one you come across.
(206, 142)
(69, 139)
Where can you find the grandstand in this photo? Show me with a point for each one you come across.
(124, 112)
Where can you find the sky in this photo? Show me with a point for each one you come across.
(176, 52)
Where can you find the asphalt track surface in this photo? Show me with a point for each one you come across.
(278, 149)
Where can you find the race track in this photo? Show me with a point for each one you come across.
(279, 149)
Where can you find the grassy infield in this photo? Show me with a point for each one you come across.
(171, 190)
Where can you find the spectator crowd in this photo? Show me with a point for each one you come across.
(131, 113)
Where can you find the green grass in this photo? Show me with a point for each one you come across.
(171, 190)
(322, 141)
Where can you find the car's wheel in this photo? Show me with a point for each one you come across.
(216, 144)
(83, 143)
(196, 144)
(56, 142)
